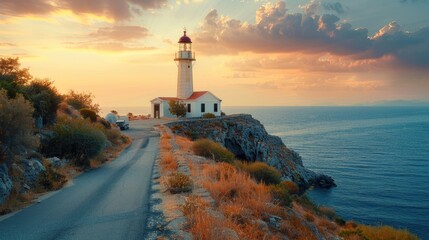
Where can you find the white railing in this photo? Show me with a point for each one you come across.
(185, 55)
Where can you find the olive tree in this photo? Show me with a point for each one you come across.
(177, 108)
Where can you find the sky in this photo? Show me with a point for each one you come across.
(248, 52)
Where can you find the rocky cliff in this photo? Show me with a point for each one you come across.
(247, 138)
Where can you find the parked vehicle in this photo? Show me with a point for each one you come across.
(123, 123)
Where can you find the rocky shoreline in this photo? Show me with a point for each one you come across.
(247, 138)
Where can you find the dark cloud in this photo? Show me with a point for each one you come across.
(121, 33)
(277, 31)
(25, 7)
(117, 9)
(336, 7)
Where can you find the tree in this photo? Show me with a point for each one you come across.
(177, 108)
(12, 76)
(16, 125)
(82, 100)
(45, 99)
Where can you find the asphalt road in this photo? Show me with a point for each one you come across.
(111, 202)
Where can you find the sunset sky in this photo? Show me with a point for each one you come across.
(269, 53)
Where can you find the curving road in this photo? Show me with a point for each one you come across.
(111, 202)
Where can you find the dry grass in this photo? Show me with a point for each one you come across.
(363, 232)
(168, 162)
(184, 143)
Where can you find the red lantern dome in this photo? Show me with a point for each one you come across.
(184, 38)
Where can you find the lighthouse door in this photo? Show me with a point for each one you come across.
(156, 110)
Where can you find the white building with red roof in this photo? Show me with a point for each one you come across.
(197, 103)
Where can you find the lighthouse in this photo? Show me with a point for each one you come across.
(197, 103)
(184, 58)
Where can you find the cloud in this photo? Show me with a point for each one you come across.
(121, 33)
(116, 9)
(276, 31)
(6, 44)
(117, 38)
(108, 46)
(25, 7)
(336, 7)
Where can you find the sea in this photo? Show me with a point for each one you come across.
(378, 156)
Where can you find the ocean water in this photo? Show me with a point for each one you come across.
(378, 156)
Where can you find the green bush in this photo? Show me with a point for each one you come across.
(213, 150)
(77, 139)
(45, 99)
(261, 172)
(81, 100)
(16, 126)
(280, 195)
(179, 182)
(209, 115)
(88, 113)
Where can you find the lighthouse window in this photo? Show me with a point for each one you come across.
(203, 107)
(215, 107)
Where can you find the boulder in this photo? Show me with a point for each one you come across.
(5, 183)
(32, 170)
(55, 162)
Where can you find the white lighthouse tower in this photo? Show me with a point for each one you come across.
(197, 103)
(184, 58)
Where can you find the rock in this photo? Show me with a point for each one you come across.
(262, 225)
(247, 138)
(324, 181)
(275, 221)
(32, 170)
(55, 162)
(5, 183)
(226, 233)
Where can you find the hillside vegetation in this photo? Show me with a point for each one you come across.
(44, 138)
(248, 200)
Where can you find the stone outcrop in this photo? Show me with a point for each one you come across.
(5, 183)
(32, 169)
(247, 138)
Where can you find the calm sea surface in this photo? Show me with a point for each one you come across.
(378, 156)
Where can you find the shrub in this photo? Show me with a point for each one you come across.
(209, 149)
(45, 99)
(88, 113)
(280, 195)
(179, 182)
(209, 115)
(81, 100)
(292, 188)
(16, 126)
(77, 139)
(51, 179)
(262, 172)
(386, 232)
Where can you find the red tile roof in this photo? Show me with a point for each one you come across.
(196, 95)
(168, 98)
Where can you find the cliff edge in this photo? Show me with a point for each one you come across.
(247, 138)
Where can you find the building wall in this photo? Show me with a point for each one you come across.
(209, 101)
